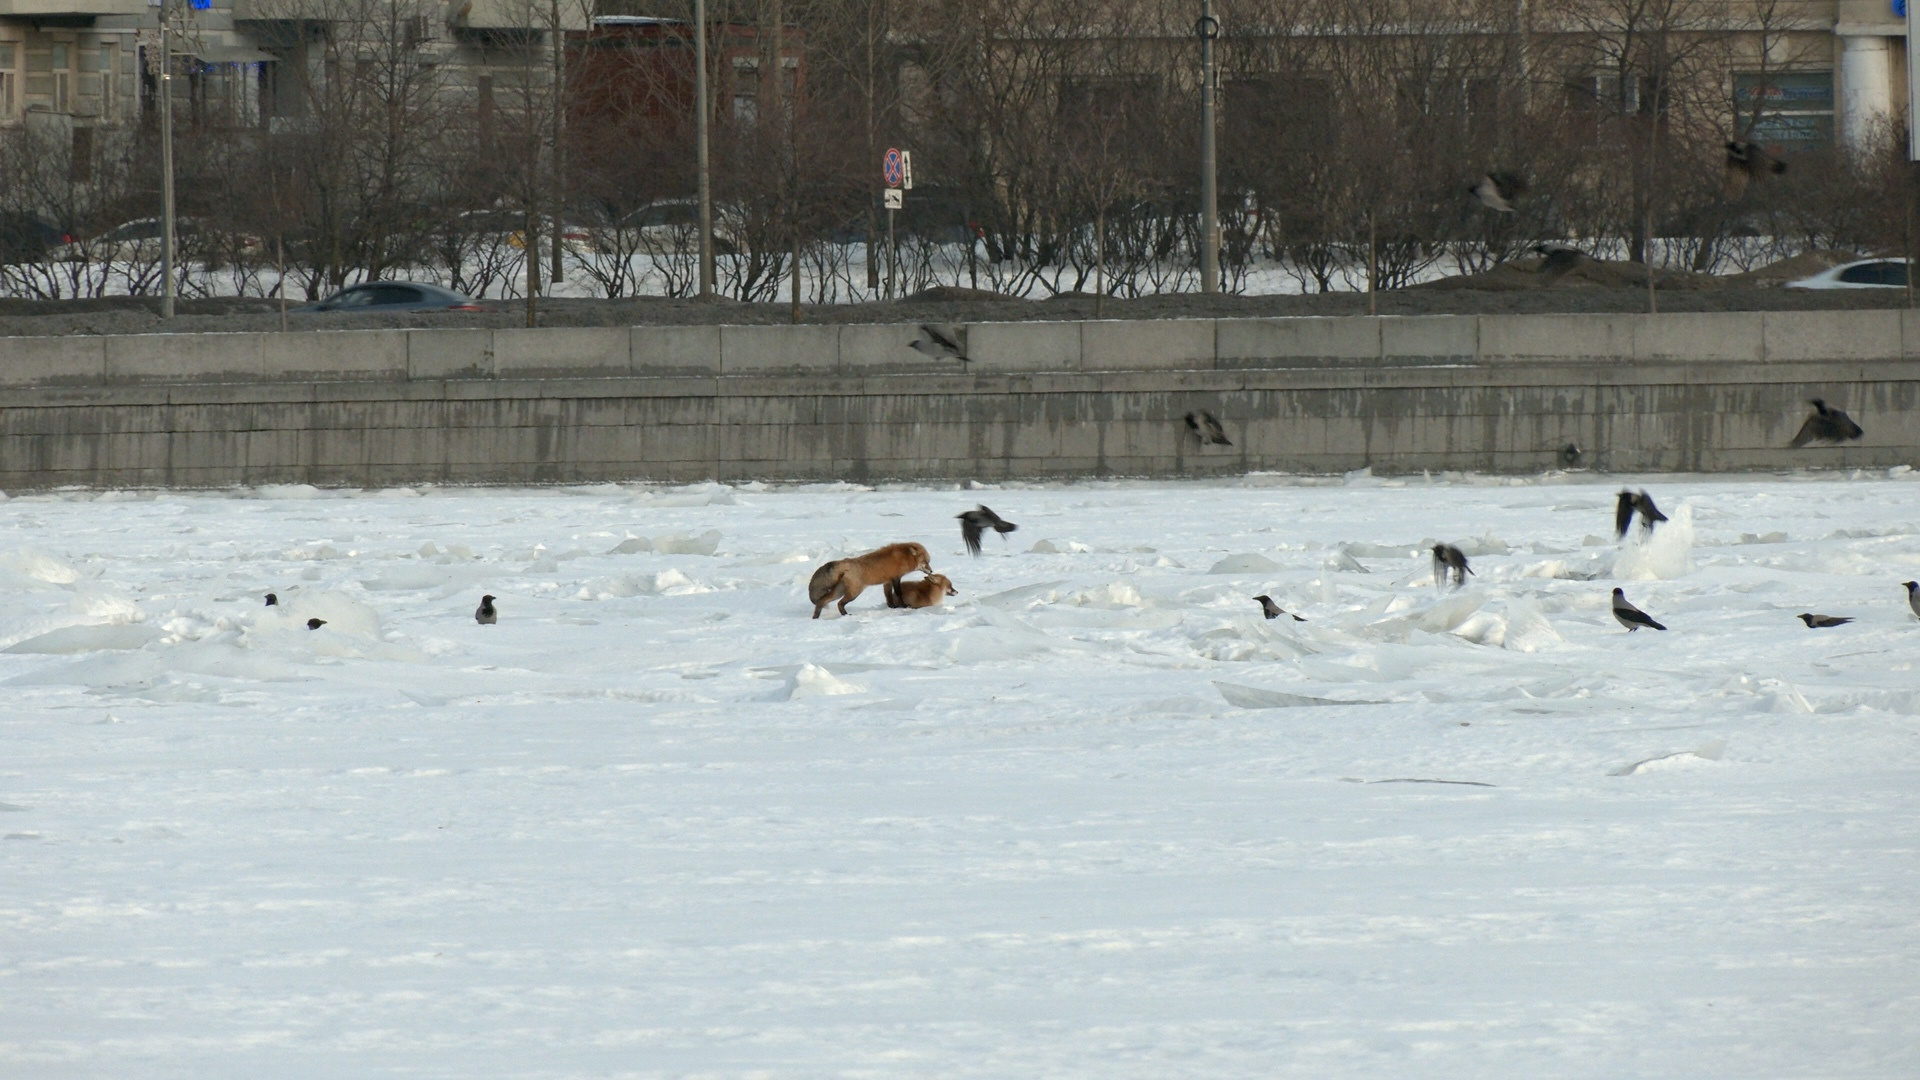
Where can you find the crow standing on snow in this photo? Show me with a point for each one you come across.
(1913, 597)
(272, 600)
(1207, 429)
(940, 343)
(1814, 621)
(1631, 617)
(486, 614)
(1273, 611)
(975, 523)
(1827, 426)
(1449, 559)
(315, 624)
(1497, 190)
(1631, 503)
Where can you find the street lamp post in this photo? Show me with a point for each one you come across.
(701, 164)
(166, 161)
(1208, 29)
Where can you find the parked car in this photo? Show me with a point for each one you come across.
(26, 239)
(1862, 274)
(394, 296)
(140, 241)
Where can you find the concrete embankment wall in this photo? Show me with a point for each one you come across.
(1700, 392)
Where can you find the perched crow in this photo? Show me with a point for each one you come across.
(1497, 190)
(1827, 426)
(485, 614)
(1556, 261)
(940, 343)
(1207, 429)
(272, 600)
(1823, 621)
(1913, 597)
(1449, 559)
(1746, 163)
(1273, 611)
(315, 624)
(975, 523)
(1629, 504)
(1570, 456)
(1631, 617)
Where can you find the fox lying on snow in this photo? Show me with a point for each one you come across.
(845, 578)
(927, 592)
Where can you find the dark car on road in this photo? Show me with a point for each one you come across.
(394, 296)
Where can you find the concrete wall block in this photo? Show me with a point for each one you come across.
(883, 347)
(1692, 337)
(28, 361)
(449, 354)
(185, 357)
(1027, 346)
(779, 350)
(1295, 342)
(579, 351)
(675, 350)
(335, 354)
(1142, 345)
(1430, 339)
(1833, 335)
(1509, 338)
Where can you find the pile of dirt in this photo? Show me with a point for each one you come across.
(1526, 274)
(1774, 275)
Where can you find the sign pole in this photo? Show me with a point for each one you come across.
(893, 253)
(1208, 28)
(702, 167)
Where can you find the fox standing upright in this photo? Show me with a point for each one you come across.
(845, 578)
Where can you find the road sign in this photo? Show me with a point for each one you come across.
(893, 167)
(906, 170)
(894, 199)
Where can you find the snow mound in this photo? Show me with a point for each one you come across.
(95, 638)
(343, 614)
(682, 544)
(1663, 556)
(1253, 697)
(38, 566)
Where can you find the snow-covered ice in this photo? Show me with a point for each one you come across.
(1092, 818)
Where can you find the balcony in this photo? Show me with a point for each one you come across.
(69, 9)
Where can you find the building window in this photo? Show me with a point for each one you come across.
(9, 78)
(746, 90)
(62, 62)
(1785, 112)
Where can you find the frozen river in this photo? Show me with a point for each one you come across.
(1092, 819)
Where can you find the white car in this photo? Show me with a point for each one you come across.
(1863, 274)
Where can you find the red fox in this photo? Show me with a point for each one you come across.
(927, 592)
(845, 578)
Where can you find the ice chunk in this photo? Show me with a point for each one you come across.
(815, 681)
(1248, 563)
(39, 566)
(79, 639)
(1253, 697)
(681, 544)
(1527, 628)
(632, 545)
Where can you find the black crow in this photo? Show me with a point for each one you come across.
(1273, 611)
(1207, 429)
(1913, 597)
(975, 523)
(1631, 617)
(1823, 621)
(1746, 163)
(941, 343)
(485, 614)
(315, 624)
(1631, 503)
(1497, 190)
(1447, 558)
(1827, 426)
(272, 600)
(1556, 261)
